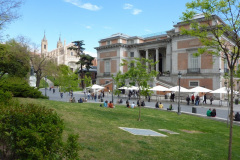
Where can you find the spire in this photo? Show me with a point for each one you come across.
(59, 38)
(44, 38)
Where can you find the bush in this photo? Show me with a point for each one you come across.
(5, 97)
(33, 132)
(20, 88)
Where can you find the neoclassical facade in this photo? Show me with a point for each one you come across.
(174, 53)
(61, 55)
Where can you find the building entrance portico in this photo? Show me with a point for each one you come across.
(155, 54)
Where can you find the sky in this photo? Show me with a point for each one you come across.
(92, 20)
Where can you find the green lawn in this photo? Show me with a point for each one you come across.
(100, 137)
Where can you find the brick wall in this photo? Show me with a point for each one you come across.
(113, 66)
(206, 82)
(108, 54)
(206, 61)
(188, 43)
(114, 41)
(102, 67)
(125, 69)
(182, 61)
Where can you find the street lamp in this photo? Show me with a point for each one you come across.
(45, 85)
(225, 83)
(112, 91)
(179, 78)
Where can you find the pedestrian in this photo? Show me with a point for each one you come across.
(88, 95)
(205, 99)
(61, 94)
(173, 97)
(197, 100)
(211, 99)
(188, 100)
(192, 98)
(95, 97)
(53, 90)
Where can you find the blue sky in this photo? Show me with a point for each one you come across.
(92, 20)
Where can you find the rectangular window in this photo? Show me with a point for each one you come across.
(45, 46)
(106, 82)
(108, 42)
(107, 66)
(131, 54)
(194, 61)
(193, 83)
(71, 53)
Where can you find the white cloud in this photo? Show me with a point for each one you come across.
(136, 11)
(127, 6)
(89, 27)
(87, 6)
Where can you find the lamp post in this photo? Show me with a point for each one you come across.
(225, 83)
(179, 79)
(112, 91)
(45, 85)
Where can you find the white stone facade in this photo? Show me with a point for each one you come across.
(61, 55)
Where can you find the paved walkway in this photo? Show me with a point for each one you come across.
(222, 111)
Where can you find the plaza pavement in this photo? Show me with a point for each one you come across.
(222, 110)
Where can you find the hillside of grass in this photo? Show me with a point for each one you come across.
(101, 138)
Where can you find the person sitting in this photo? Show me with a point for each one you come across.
(127, 105)
(138, 103)
(143, 103)
(110, 105)
(105, 104)
(160, 105)
(213, 113)
(237, 117)
(80, 100)
(70, 99)
(170, 107)
(73, 100)
(133, 105)
(209, 112)
(157, 105)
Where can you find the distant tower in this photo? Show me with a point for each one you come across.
(59, 43)
(44, 45)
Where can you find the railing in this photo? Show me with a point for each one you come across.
(193, 70)
(106, 73)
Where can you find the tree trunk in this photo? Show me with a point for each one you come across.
(82, 77)
(139, 114)
(231, 116)
(38, 77)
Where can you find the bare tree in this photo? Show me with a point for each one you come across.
(8, 11)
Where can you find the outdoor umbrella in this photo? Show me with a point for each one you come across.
(159, 88)
(223, 90)
(95, 86)
(200, 89)
(176, 89)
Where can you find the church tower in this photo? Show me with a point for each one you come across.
(59, 43)
(44, 45)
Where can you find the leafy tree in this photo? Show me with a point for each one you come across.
(67, 79)
(139, 73)
(87, 80)
(14, 59)
(43, 66)
(84, 59)
(220, 38)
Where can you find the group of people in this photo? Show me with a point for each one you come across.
(108, 105)
(211, 113)
(196, 100)
(159, 105)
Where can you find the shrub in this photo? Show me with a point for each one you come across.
(20, 88)
(5, 97)
(33, 132)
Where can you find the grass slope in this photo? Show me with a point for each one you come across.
(100, 137)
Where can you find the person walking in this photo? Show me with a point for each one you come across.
(192, 98)
(61, 94)
(188, 100)
(205, 99)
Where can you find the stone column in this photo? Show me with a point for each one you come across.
(147, 58)
(157, 59)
